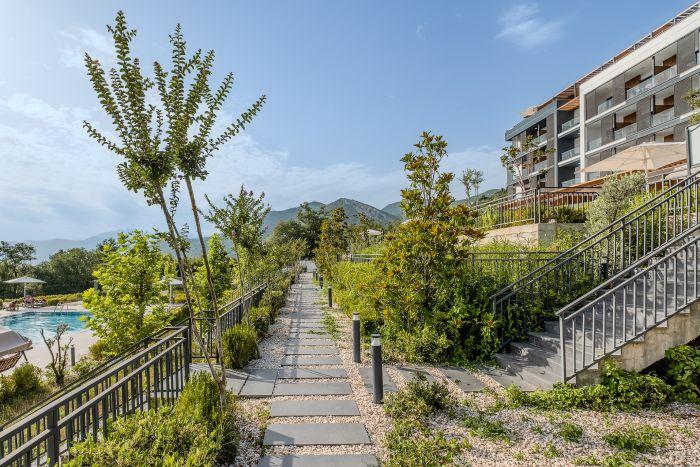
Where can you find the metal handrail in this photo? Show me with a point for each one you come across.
(586, 320)
(599, 256)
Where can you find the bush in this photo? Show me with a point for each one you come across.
(571, 432)
(240, 346)
(85, 365)
(193, 432)
(484, 427)
(24, 380)
(411, 444)
(420, 399)
(52, 300)
(683, 373)
(618, 390)
(259, 317)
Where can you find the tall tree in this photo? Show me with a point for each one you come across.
(164, 144)
(14, 257)
(514, 158)
(471, 179)
(68, 271)
(334, 241)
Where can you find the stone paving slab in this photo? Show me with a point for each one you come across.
(235, 379)
(505, 378)
(410, 372)
(308, 373)
(297, 360)
(345, 460)
(311, 408)
(312, 389)
(309, 335)
(299, 350)
(260, 382)
(368, 379)
(462, 378)
(303, 328)
(310, 342)
(308, 434)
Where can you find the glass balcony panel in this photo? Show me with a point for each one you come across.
(625, 131)
(595, 143)
(540, 166)
(540, 139)
(569, 124)
(663, 117)
(605, 105)
(573, 152)
(640, 88)
(665, 75)
(570, 182)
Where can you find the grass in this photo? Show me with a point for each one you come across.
(331, 325)
(486, 428)
(639, 439)
(571, 432)
(19, 404)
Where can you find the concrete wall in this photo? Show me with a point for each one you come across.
(532, 235)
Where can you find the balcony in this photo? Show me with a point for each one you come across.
(540, 139)
(652, 81)
(663, 117)
(570, 182)
(625, 131)
(539, 166)
(573, 152)
(569, 124)
(605, 105)
(594, 143)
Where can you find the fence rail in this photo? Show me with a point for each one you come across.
(527, 302)
(508, 266)
(534, 206)
(149, 374)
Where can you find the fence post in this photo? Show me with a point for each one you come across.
(562, 345)
(54, 440)
(188, 349)
(537, 205)
(356, 337)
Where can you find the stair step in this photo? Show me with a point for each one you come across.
(537, 376)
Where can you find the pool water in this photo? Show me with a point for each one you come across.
(30, 323)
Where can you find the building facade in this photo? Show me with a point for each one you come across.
(635, 97)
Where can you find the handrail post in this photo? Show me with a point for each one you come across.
(562, 345)
(537, 205)
(54, 440)
(188, 349)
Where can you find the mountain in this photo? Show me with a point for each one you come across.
(45, 248)
(394, 209)
(354, 208)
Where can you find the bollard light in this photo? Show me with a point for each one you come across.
(72, 355)
(377, 368)
(330, 297)
(356, 337)
(320, 282)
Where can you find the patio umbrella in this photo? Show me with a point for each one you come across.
(645, 156)
(25, 280)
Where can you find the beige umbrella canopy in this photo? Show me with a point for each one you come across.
(25, 280)
(645, 156)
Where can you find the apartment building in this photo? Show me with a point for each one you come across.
(635, 97)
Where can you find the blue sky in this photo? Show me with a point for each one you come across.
(350, 85)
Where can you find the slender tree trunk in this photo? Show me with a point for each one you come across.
(217, 319)
(181, 259)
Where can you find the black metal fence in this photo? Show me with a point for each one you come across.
(149, 374)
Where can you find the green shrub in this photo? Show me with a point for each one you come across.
(642, 438)
(411, 444)
(683, 373)
(331, 325)
(259, 318)
(85, 365)
(484, 427)
(618, 390)
(240, 346)
(571, 432)
(419, 399)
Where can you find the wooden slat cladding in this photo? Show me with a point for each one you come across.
(686, 52)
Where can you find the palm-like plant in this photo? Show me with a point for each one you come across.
(164, 143)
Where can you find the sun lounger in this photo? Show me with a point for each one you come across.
(12, 347)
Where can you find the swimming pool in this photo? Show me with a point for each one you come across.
(30, 323)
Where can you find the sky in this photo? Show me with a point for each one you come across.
(350, 86)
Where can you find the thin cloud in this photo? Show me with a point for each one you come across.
(420, 32)
(81, 40)
(523, 26)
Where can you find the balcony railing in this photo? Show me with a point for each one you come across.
(594, 143)
(569, 124)
(625, 131)
(652, 81)
(605, 105)
(573, 152)
(570, 182)
(540, 139)
(540, 166)
(663, 117)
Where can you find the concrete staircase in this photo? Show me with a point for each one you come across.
(632, 318)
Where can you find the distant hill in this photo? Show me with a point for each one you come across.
(354, 208)
(45, 248)
(394, 209)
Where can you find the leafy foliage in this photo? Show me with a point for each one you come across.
(129, 305)
(240, 346)
(59, 355)
(420, 399)
(642, 438)
(571, 432)
(484, 427)
(68, 271)
(333, 242)
(306, 227)
(683, 372)
(24, 379)
(618, 390)
(617, 197)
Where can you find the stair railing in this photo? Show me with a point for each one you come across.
(527, 302)
(602, 323)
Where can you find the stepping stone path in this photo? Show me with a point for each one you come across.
(310, 355)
